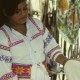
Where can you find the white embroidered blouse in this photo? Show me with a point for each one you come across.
(16, 48)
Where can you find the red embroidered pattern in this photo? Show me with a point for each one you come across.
(9, 41)
(40, 31)
(7, 76)
(16, 43)
(34, 23)
(52, 50)
(6, 34)
(36, 35)
(23, 71)
(4, 47)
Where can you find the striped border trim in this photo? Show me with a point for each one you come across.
(16, 43)
(6, 34)
(34, 23)
(36, 35)
(7, 76)
(52, 50)
(40, 31)
(4, 47)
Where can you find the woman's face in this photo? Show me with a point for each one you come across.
(20, 15)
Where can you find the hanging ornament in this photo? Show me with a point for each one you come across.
(68, 20)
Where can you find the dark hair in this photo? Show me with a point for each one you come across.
(9, 7)
(1, 13)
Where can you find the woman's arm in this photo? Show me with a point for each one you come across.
(61, 59)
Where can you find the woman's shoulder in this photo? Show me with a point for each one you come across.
(2, 35)
(37, 22)
(3, 38)
(4, 44)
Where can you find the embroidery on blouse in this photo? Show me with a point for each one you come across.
(36, 35)
(4, 47)
(22, 70)
(7, 76)
(16, 43)
(52, 50)
(9, 41)
(47, 40)
(34, 23)
(7, 59)
(6, 34)
(40, 31)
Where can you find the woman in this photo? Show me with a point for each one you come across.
(24, 44)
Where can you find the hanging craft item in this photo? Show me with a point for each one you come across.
(68, 20)
(37, 12)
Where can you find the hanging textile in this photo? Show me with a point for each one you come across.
(68, 20)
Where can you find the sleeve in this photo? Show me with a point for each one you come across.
(6, 62)
(52, 48)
